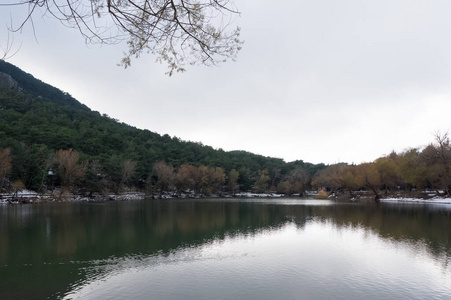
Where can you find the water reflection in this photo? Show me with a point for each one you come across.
(283, 263)
(52, 250)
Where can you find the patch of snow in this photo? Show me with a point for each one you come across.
(255, 195)
(432, 200)
(26, 193)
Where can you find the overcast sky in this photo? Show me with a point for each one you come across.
(323, 81)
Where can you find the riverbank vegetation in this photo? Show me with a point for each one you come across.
(402, 174)
(52, 144)
(417, 169)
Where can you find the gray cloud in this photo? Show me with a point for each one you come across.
(322, 81)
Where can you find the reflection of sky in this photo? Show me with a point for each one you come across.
(320, 261)
(278, 201)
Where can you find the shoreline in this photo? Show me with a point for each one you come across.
(30, 197)
(392, 196)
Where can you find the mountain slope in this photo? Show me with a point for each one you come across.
(35, 115)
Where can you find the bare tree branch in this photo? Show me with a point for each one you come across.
(6, 50)
(178, 32)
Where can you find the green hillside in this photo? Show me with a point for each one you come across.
(36, 120)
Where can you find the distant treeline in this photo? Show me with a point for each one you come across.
(49, 140)
(427, 168)
(63, 170)
(42, 169)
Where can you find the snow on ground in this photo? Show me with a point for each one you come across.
(26, 193)
(432, 200)
(26, 196)
(251, 195)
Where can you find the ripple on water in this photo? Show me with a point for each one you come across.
(315, 262)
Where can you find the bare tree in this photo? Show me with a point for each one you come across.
(6, 51)
(187, 178)
(128, 170)
(69, 169)
(165, 176)
(370, 178)
(443, 158)
(299, 180)
(178, 32)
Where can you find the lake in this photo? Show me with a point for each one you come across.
(225, 249)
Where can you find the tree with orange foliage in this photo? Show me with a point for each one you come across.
(211, 179)
(186, 178)
(165, 176)
(370, 178)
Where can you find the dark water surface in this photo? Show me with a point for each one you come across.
(225, 249)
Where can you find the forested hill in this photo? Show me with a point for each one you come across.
(35, 87)
(37, 120)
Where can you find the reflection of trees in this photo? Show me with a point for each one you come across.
(43, 248)
(96, 231)
(59, 240)
(411, 223)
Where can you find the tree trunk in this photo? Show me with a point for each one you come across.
(377, 197)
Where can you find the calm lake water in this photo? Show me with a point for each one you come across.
(225, 249)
